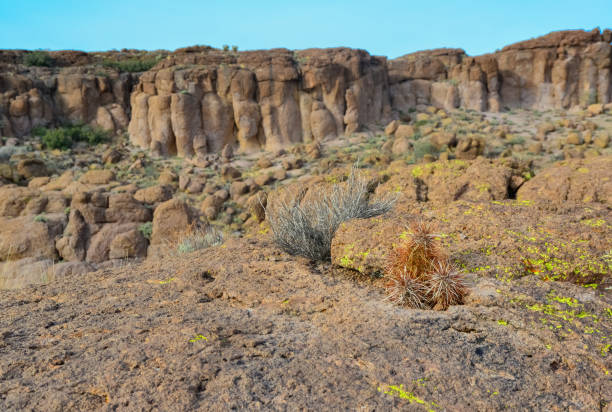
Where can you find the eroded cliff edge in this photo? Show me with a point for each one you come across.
(196, 100)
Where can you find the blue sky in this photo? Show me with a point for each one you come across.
(383, 27)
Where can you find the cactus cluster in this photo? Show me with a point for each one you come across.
(419, 273)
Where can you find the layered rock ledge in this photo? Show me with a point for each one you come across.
(198, 99)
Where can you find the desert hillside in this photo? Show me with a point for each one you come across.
(211, 229)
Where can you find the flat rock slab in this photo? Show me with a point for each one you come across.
(267, 331)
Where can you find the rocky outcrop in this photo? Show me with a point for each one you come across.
(31, 97)
(198, 99)
(579, 180)
(201, 99)
(559, 70)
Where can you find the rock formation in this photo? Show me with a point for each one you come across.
(559, 70)
(198, 99)
(41, 96)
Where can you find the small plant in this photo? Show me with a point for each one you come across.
(445, 285)
(418, 249)
(133, 65)
(518, 140)
(146, 229)
(226, 47)
(305, 226)
(38, 58)
(199, 239)
(422, 148)
(234, 48)
(407, 290)
(419, 274)
(41, 218)
(62, 138)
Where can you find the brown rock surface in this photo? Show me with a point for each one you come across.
(171, 219)
(27, 236)
(214, 333)
(154, 194)
(583, 180)
(479, 180)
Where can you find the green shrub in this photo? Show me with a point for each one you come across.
(225, 47)
(146, 229)
(234, 48)
(133, 65)
(57, 139)
(40, 218)
(38, 58)
(421, 148)
(63, 137)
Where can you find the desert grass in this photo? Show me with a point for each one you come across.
(305, 224)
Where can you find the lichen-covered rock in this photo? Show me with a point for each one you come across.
(580, 180)
(445, 181)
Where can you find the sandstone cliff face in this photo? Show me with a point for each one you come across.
(199, 99)
(79, 87)
(559, 70)
(31, 97)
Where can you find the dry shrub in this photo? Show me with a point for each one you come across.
(305, 226)
(419, 274)
(197, 238)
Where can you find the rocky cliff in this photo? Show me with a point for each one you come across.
(198, 99)
(556, 71)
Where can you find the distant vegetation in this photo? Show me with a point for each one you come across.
(38, 58)
(136, 64)
(63, 137)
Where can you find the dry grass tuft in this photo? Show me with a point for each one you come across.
(198, 238)
(305, 226)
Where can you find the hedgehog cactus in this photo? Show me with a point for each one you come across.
(419, 274)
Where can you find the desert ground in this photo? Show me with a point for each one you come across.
(157, 232)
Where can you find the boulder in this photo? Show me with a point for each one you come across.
(154, 194)
(580, 180)
(28, 236)
(29, 168)
(404, 131)
(401, 146)
(97, 177)
(468, 148)
(601, 139)
(392, 127)
(123, 208)
(75, 241)
(479, 180)
(128, 244)
(123, 239)
(171, 219)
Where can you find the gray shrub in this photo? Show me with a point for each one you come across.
(305, 226)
